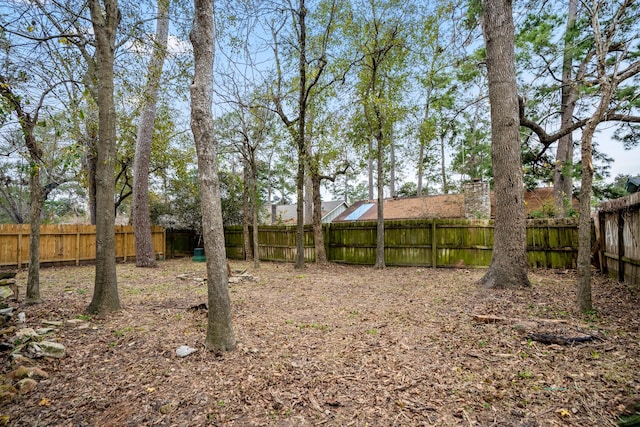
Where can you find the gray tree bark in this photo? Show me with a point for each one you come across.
(105, 18)
(28, 122)
(508, 268)
(562, 173)
(145, 255)
(220, 335)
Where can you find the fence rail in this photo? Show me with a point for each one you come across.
(68, 244)
(551, 243)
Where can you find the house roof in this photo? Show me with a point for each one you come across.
(440, 206)
(287, 214)
(437, 206)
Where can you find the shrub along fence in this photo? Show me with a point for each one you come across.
(618, 234)
(551, 243)
(68, 244)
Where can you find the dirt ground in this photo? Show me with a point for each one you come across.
(332, 346)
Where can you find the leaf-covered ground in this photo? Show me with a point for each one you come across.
(333, 346)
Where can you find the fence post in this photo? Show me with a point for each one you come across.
(620, 246)
(604, 269)
(124, 245)
(19, 247)
(77, 244)
(434, 253)
(326, 231)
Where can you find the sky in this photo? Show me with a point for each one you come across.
(625, 161)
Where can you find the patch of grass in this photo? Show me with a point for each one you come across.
(84, 317)
(123, 331)
(525, 375)
(373, 331)
(313, 326)
(133, 291)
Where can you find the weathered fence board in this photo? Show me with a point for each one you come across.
(443, 243)
(618, 229)
(65, 244)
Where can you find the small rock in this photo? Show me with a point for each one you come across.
(26, 385)
(5, 292)
(18, 373)
(7, 311)
(27, 372)
(74, 322)
(35, 372)
(23, 333)
(52, 322)
(184, 351)
(7, 392)
(46, 349)
(44, 331)
(22, 317)
(21, 359)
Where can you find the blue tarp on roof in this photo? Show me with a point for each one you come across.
(355, 215)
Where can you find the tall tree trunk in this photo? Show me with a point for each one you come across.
(607, 87)
(584, 222)
(420, 168)
(28, 123)
(508, 267)
(90, 138)
(90, 170)
(220, 335)
(254, 210)
(370, 166)
(33, 279)
(247, 209)
(302, 111)
(145, 255)
(105, 18)
(562, 173)
(308, 197)
(443, 167)
(392, 170)
(380, 221)
(318, 235)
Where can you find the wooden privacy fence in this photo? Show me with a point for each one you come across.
(68, 244)
(618, 233)
(551, 243)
